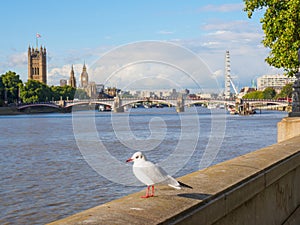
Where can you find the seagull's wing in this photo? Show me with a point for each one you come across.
(150, 174)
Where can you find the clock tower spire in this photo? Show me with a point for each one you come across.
(84, 77)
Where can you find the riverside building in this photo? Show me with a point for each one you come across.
(277, 81)
(37, 64)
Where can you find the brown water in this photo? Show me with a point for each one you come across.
(44, 177)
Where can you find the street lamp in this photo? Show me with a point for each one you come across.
(296, 93)
(5, 96)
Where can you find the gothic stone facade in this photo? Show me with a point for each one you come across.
(37, 64)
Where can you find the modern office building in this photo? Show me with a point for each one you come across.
(277, 81)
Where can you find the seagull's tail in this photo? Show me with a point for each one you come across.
(184, 185)
(176, 187)
(175, 184)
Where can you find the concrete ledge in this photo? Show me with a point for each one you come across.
(261, 187)
(288, 127)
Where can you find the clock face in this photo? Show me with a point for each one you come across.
(83, 79)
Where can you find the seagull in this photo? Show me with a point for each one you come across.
(150, 174)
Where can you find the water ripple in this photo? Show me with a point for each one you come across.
(43, 176)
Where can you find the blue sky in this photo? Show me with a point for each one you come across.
(77, 31)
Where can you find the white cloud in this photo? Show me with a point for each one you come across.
(222, 8)
(17, 59)
(59, 67)
(55, 74)
(152, 65)
(235, 25)
(218, 73)
(16, 62)
(242, 39)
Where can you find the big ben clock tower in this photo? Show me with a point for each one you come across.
(84, 77)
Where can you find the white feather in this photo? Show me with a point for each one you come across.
(149, 173)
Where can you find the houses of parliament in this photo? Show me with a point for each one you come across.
(37, 70)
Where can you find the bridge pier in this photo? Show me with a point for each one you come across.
(62, 103)
(119, 110)
(180, 104)
(117, 105)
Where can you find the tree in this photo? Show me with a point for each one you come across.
(269, 93)
(11, 84)
(286, 91)
(65, 92)
(281, 25)
(1, 92)
(81, 94)
(35, 91)
(254, 95)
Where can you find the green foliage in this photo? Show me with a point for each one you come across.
(35, 91)
(81, 94)
(269, 93)
(65, 92)
(281, 25)
(286, 91)
(10, 83)
(254, 95)
(1, 92)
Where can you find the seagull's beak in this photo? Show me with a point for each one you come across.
(129, 160)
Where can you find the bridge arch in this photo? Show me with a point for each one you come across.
(25, 106)
(91, 102)
(125, 103)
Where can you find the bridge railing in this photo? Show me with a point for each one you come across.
(267, 100)
(35, 103)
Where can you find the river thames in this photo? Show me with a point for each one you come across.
(46, 173)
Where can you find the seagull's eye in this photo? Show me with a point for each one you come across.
(137, 157)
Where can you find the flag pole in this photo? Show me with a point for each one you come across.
(37, 36)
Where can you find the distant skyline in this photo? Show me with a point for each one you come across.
(75, 32)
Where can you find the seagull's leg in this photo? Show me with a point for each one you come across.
(147, 193)
(152, 194)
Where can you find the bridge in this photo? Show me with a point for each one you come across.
(118, 104)
(38, 104)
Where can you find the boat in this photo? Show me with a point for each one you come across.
(104, 108)
(211, 106)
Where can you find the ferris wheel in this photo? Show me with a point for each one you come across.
(228, 79)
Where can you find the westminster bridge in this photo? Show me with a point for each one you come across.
(118, 104)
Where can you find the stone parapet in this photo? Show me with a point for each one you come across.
(288, 127)
(262, 187)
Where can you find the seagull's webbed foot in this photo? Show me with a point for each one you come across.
(148, 195)
(152, 193)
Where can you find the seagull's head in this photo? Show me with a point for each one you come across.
(138, 156)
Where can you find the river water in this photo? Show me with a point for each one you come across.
(52, 167)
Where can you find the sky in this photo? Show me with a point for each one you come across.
(97, 32)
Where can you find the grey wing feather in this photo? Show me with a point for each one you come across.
(154, 174)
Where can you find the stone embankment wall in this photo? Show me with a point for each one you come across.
(287, 128)
(262, 187)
